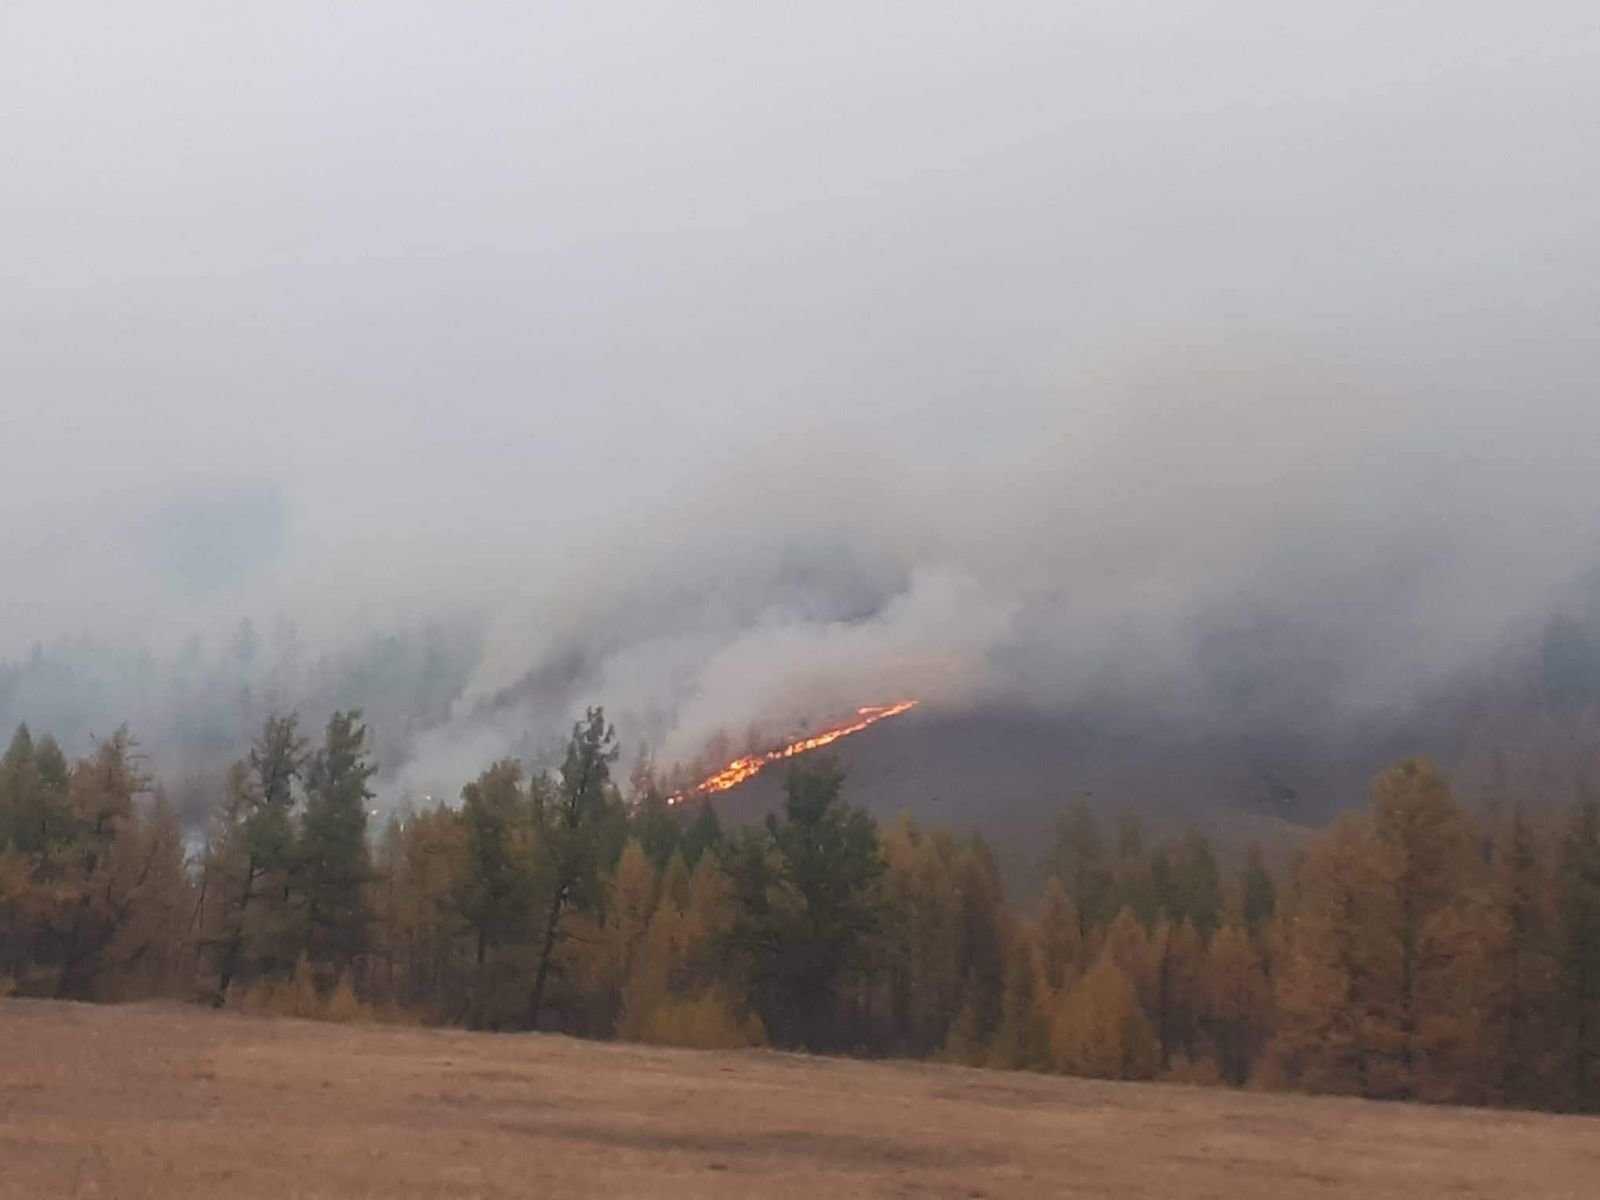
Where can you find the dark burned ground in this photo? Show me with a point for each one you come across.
(173, 1102)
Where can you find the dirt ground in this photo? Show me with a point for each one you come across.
(171, 1102)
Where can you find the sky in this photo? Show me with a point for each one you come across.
(730, 363)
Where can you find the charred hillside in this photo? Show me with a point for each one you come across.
(1523, 728)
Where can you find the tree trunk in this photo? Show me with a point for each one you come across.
(541, 977)
(230, 957)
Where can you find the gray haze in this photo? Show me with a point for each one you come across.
(731, 365)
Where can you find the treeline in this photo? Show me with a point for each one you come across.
(1409, 951)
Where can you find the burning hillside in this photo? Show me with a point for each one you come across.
(749, 765)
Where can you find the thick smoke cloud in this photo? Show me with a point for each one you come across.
(731, 369)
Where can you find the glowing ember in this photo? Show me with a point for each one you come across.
(744, 768)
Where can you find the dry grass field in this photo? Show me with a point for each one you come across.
(167, 1102)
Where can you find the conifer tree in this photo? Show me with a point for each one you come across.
(1516, 936)
(96, 879)
(1058, 937)
(1429, 844)
(620, 940)
(1079, 861)
(34, 812)
(1136, 884)
(656, 826)
(1578, 954)
(982, 931)
(675, 879)
(1196, 885)
(494, 890)
(1179, 968)
(252, 851)
(332, 860)
(1258, 894)
(1331, 997)
(1021, 1041)
(918, 941)
(805, 891)
(1128, 944)
(576, 827)
(703, 834)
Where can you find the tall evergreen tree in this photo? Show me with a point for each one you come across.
(332, 860)
(33, 794)
(252, 851)
(1060, 940)
(95, 892)
(1196, 885)
(494, 891)
(805, 891)
(704, 833)
(657, 827)
(1021, 1040)
(576, 827)
(1079, 860)
(1578, 954)
(1258, 894)
(1516, 941)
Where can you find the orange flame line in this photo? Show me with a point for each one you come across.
(750, 765)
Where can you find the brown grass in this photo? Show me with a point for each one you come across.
(149, 1101)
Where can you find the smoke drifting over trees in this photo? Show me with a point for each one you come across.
(1407, 952)
(1233, 370)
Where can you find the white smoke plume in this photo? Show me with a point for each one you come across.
(729, 369)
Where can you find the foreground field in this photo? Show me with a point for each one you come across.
(171, 1102)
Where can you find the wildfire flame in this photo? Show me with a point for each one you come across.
(750, 765)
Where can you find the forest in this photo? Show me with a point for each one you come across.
(1411, 950)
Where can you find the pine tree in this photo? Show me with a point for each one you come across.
(1135, 886)
(805, 892)
(1257, 891)
(657, 827)
(1021, 1041)
(703, 834)
(1196, 885)
(1578, 954)
(494, 889)
(1079, 861)
(576, 828)
(331, 857)
(1059, 940)
(982, 931)
(34, 812)
(252, 851)
(98, 894)
(1517, 941)
(36, 827)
